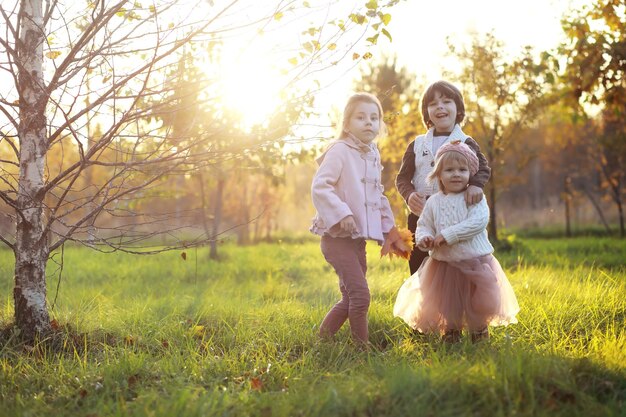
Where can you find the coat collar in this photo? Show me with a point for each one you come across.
(352, 142)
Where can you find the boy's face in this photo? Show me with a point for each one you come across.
(442, 112)
(364, 123)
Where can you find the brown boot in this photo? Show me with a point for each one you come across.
(452, 336)
(480, 335)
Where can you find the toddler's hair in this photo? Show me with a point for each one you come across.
(446, 89)
(351, 105)
(435, 174)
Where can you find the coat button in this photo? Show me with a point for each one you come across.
(432, 164)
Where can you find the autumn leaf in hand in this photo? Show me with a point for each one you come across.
(399, 242)
(404, 246)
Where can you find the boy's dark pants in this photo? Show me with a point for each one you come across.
(417, 256)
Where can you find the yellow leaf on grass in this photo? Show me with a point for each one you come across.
(197, 330)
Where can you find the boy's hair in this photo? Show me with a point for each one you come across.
(446, 89)
(351, 105)
(435, 174)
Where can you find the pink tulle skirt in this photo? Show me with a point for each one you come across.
(468, 294)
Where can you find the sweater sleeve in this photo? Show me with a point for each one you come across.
(330, 207)
(407, 171)
(475, 223)
(484, 171)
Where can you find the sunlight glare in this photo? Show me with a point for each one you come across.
(250, 87)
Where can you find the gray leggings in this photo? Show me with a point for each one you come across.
(347, 257)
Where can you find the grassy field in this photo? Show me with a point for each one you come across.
(163, 336)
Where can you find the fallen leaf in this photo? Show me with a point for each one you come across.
(132, 380)
(198, 330)
(256, 384)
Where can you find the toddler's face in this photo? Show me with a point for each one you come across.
(364, 123)
(442, 112)
(455, 176)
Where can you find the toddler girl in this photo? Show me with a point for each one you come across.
(461, 285)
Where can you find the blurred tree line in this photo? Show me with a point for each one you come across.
(552, 124)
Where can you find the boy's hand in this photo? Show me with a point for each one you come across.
(348, 225)
(416, 203)
(473, 195)
(439, 241)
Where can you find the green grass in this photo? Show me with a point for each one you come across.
(160, 336)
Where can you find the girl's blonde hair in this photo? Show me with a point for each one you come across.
(435, 174)
(349, 110)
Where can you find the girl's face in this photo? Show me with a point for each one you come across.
(364, 123)
(442, 112)
(454, 176)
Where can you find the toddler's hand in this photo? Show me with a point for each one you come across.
(426, 242)
(416, 203)
(473, 195)
(348, 225)
(439, 241)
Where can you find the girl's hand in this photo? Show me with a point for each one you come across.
(426, 242)
(348, 225)
(439, 241)
(416, 203)
(473, 195)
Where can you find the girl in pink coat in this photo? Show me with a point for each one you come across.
(351, 208)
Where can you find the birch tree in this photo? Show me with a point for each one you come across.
(64, 64)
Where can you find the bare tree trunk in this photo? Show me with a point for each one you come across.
(217, 216)
(617, 196)
(205, 222)
(596, 205)
(491, 155)
(31, 250)
(615, 185)
(493, 227)
(244, 230)
(91, 230)
(620, 208)
(567, 197)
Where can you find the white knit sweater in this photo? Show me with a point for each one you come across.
(464, 228)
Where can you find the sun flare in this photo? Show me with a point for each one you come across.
(251, 87)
